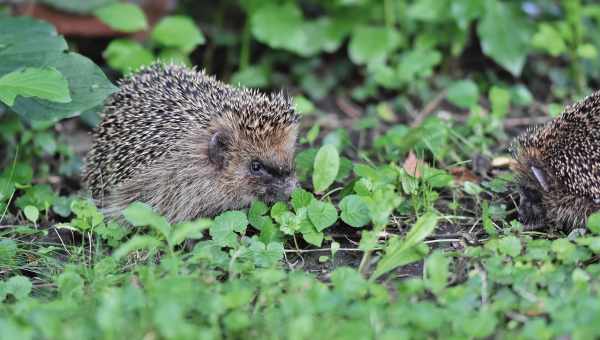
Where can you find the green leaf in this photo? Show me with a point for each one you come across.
(313, 237)
(549, 39)
(178, 31)
(232, 220)
(126, 55)
(7, 189)
(355, 212)
(141, 214)
(510, 245)
(8, 251)
(463, 93)
(587, 51)
(223, 231)
(372, 44)
(480, 325)
(28, 43)
(303, 105)
(189, 230)
(279, 26)
(326, 166)
(31, 213)
(322, 214)
(18, 286)
(402, 252)
(301, 198)
(136, 243)
(593, 223)
(45, 83)
(505, 35)
(500, 100)
(437, 271)
(252, 76)
(124, 17)
(266, 255)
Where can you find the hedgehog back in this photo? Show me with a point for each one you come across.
(150, 113)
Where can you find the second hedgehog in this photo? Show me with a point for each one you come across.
(191, 146)
(558, 168)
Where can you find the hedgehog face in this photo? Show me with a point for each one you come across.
(255, 168)
(271, 182)
(267, 166)
(531, 207)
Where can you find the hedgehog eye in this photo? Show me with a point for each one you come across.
(256, 167)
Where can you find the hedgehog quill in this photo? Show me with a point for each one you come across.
(191, 146)
(558, 168)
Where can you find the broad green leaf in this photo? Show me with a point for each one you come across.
(126, 55)
(301, 198)
(189, 230)
(587, 51)
(500, 100)
(8, 251)
(428, 10)
(266, 255)
(141, 214)
(593, 223)
(313, 237)
(322, 214)
(252, 76)
(70, 284)
(437, 271)
(463, 93)
(232, 220)
(403, 252)
(326, 166)
(256, 214)
(480, 325)
(355, 212)
(510, 245)
(7, 189)
(122, 16)
(504, 35)
(279, 26)
(28, 43)
(45, 83)
(178, 31)
(174, 56)
(31, 213)
(226, 227)
(303, 105)
(372, 44)
(549, 39)
(18, 286)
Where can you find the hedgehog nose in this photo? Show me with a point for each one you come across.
(290, 184)
(286, 188)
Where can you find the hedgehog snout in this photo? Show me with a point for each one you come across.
(531, 208)
(281, 189)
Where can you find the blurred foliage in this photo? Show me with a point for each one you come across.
(385, 168)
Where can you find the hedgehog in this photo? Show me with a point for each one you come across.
(558, 168)
(190, 146)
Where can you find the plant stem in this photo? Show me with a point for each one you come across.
(364, 262)
(245, 50)
(388, 13)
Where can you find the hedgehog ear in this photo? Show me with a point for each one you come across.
(539, 175)
(217, 149)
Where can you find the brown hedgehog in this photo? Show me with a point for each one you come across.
(558, 168)
(191, 146)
